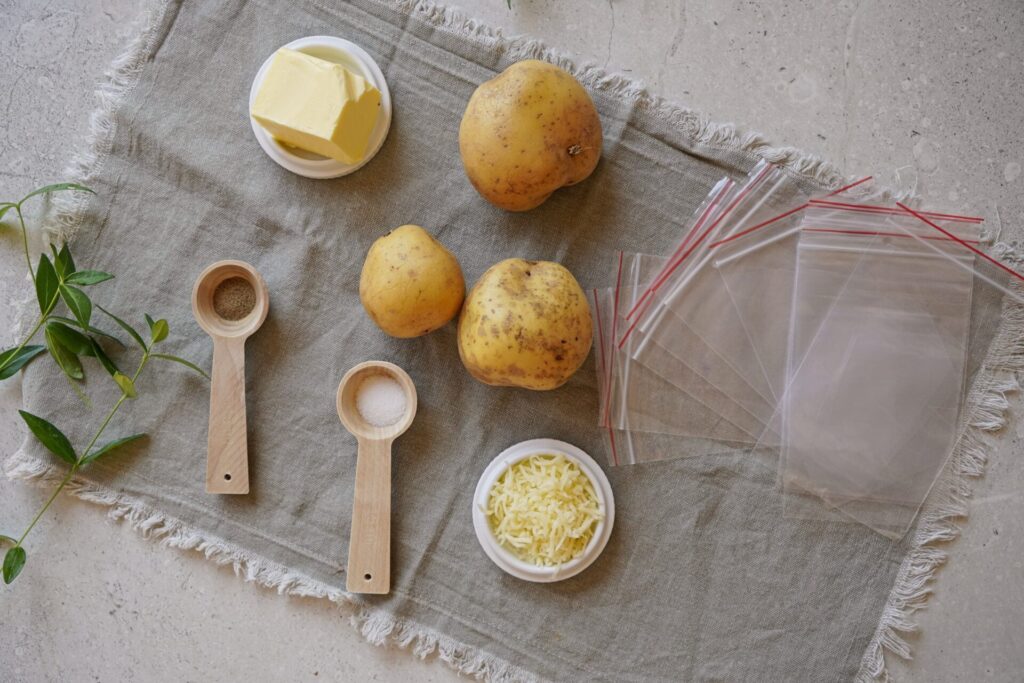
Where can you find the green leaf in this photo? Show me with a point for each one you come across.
(72, 340)
(126, 384)
(88, 277)
(65, 359)
(106, 448)
(78, 303)
(62, 261)
(47, 283)
(56, 187)
(88, 328)
(181, 361)
(65, 257)
(81, 345)
(5, 207)
(14, 562)
(159, 330)
(99, 354)
(11, 362)
(125, 326)
(50, 436)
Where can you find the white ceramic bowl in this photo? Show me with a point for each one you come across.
(504, 558)
(352, 57)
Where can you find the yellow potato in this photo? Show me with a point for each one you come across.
(527, 132)
(525, 324)
(410, 284)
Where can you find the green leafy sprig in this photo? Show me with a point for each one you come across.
(68, 339)
(55, 281)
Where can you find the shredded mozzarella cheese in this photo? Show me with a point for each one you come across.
(544, 510)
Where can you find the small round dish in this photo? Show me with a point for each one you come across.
(352, 57)
(505, 559)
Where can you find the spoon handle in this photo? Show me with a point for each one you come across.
(227, 457)
(369, 548)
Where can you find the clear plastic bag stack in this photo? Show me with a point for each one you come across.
(646, 417)
(687, 319)
(757, 265)
(833, 338)
(695, 388)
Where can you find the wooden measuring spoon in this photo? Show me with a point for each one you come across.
(227, 456)
(369, 548)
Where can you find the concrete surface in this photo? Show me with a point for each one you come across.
(931, 90)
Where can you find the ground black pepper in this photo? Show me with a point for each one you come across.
(234, 298)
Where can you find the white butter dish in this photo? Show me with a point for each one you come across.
(352, 57)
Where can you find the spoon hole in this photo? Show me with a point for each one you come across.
(367, 577)
(227, 477)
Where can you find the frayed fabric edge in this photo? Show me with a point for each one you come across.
(173, 533)
(948, 504)
(377, 626)
(63, 222)
(697, 127)
(119, 80)
(380, 627)
(937, 523)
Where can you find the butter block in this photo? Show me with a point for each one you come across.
(317, 105)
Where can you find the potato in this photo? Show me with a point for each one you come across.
(410, 284)
(527, 132)
(525, 324)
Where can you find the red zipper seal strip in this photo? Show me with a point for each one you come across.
(762, 224)
(879, 233)
(978, 252)
(725, 212)
(872, 208)
(604, 369)
(686, 240)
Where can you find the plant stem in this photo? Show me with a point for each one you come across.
(39, 323)
(92, 443)
(56, 491)
(24, 241)
(28, 338)
(103, 426)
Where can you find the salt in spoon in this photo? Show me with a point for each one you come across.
(369, 549)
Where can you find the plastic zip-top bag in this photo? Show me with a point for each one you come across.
(877, 359)
(685, 316)
(757, 264)
(635, 400)
(998, 287)
(645, 417)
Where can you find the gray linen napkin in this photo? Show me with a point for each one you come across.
(704, 578)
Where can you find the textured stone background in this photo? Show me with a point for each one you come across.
(930, 92)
